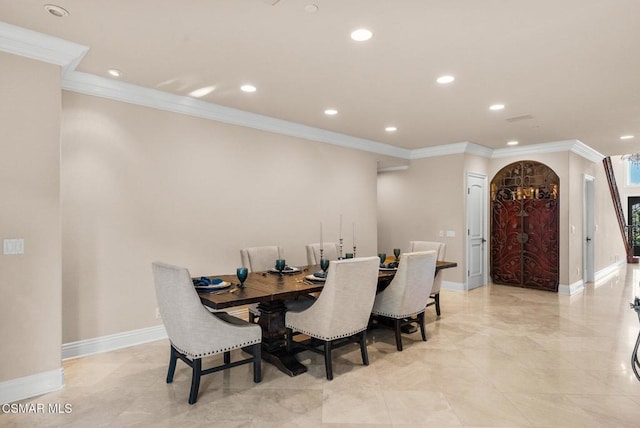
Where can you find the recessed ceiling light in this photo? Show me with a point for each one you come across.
(445, 79)
(361, 35)
(626, 137)
(391, 129)
(496, 107)
(311, 8)
(512, 143)
(56, 11)
(114, 72)
(201, 92)
(331, 112)
(248, 88)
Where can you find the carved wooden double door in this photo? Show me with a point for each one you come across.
(525, 226)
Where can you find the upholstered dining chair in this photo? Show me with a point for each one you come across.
(330, 251)
(340, 314)
(407, 293)
(441, 249)
(194, 332)
(259, 259)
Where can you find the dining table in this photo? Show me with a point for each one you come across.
(270, 290)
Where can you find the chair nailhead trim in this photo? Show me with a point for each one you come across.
(384, 314)
(317, 336)
(217, 351)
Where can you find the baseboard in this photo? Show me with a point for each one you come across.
(30, 386)
(112, 342)
(603, 273)
(453, 286)
(125, 339)
(570, 290)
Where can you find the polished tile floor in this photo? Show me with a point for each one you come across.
(498, 357)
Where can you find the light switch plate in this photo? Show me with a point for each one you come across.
(13, 246)
(451, 233)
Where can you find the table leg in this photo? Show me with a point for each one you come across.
(274, 348)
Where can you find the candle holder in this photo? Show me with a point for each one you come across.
(340, 253)
(354, 252)
(321, 253)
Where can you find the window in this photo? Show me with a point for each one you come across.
(633, 174)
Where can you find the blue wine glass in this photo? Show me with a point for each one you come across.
(324, 264)
(396, 253)
(280, 264)
(383, 257)
(242, 273)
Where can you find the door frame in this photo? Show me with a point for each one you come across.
(485, 228)
(588, 229)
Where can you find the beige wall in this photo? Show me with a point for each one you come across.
(429, 197)
(418, 203)
(140, 184)
(30, 284)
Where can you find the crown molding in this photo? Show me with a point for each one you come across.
(451, 149)
(120, 91)
(41, 47)
(574, 146)
(393, 168)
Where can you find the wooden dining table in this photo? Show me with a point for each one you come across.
(270, 290)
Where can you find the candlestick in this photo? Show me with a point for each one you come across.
(340, 226)
(321, 246)
(354, 233)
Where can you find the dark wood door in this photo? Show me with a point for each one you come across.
(525, 227)
(633, 228)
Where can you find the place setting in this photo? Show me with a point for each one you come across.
(319, 276)
(391, 266)
(282, 268)
(209, 285)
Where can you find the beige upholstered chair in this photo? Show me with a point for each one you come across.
(259, 259)
(194, 332)
(330, 251)
(341, 313)
(407, 293)
(441, 248)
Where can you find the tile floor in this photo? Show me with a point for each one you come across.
(498, 357)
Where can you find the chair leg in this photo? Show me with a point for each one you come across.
(437, 299)
(195, 380)
(363, 348)
(257, 362)
(327, 359)
(172, 364)
(252, 317)
(423, 331)
(227, 357)
(397, 326)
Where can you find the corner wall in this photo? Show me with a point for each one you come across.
(30, 283)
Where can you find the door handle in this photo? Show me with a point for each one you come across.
(588, 239)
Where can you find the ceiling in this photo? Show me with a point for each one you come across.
(564, 70)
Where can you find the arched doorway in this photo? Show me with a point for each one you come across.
(525, 226)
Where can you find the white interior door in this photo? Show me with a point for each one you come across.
(589, 226)
(476, 230)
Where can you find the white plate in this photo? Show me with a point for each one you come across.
(223, 284)
(315, 278)
(389, 269)
(288, 269)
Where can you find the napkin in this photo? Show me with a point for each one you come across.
(203, 281)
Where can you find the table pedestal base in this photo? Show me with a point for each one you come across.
(274, 347)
